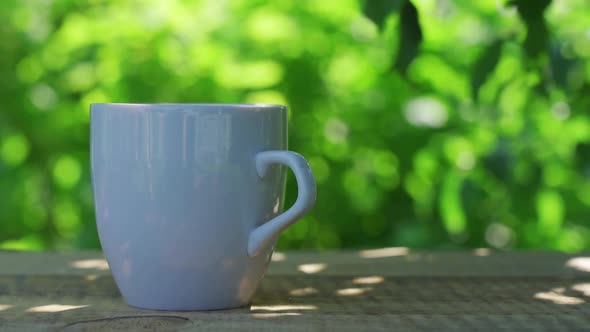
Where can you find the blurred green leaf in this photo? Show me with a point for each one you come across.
(28, 242)
(485, 65)
(66, 171)
(14, 149)
(550, 211)
(453, 216)
(410, 37)
(537, 35)
(562, 67)
(378, 10)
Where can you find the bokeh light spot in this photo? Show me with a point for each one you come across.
(258, 74)
(43, 97)
(349, 70)
(362, 29)
(550, 210)
(266, 97)
(426, 112)
(67, 218)
(93, 96)
(336, 131)
(81, 78)
(14, 149)
(499, 235)
(465, 160)
(66, 171)
(29, 70)
(561, 110)
(268, 26)
(573, 239)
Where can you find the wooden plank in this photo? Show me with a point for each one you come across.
(385, 262)
(376, 290)
(54, 302)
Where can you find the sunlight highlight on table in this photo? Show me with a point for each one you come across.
(384, 252)
(99, 264)
(54, 308)
(312, 268)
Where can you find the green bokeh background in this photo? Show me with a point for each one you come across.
(429, 124)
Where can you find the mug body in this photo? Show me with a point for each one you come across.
(177, 194)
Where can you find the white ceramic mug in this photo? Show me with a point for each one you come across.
(189, 198)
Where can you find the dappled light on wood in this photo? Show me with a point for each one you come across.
(278, 257)
(55, 308)
(556, 296)
(482, 252)
(368, 280)
(90, 277)
(384, 252)
(275, 314)
(303, 291)
(312, 268)
(98, 264)
(353, 291)
(579, 263)
(582, 288)
(444, 290)
(282, 307)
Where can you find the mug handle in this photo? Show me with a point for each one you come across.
(264, 234)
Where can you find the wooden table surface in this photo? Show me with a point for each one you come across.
(393, 289)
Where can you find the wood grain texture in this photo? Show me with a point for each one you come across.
(392, 289)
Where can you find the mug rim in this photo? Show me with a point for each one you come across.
(203, 105)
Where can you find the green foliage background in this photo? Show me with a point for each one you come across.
(431, 123)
